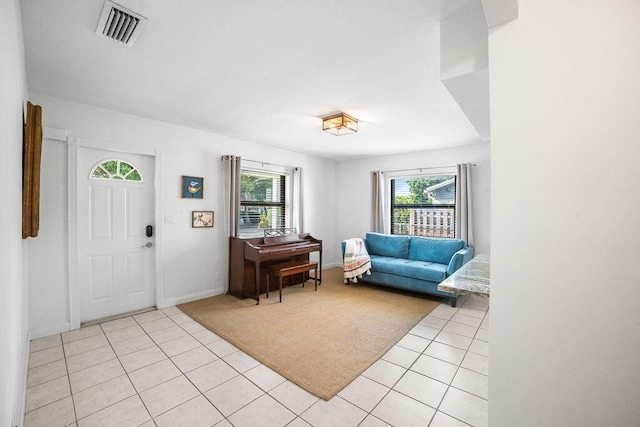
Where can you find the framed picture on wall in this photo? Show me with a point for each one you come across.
(192, 187)
(201, 219)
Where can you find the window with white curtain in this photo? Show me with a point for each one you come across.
(423, 204)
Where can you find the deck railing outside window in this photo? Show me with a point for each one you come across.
(432, 221)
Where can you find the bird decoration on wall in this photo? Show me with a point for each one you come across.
(192, 187)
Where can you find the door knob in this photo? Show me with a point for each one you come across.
(148, 245)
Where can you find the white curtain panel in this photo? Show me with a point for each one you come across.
(464, 205)
(232, 172)
(377, 196)
(297, 200)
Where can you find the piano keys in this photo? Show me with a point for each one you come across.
(249, 258)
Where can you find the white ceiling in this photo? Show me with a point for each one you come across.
(260, 70)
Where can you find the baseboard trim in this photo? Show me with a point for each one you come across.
(169, 302)
(331, 265)
(45, 332)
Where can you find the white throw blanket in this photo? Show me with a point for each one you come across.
(356, 260)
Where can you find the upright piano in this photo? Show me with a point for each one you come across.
(249, 257)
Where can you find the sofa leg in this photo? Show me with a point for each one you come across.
(454, 301)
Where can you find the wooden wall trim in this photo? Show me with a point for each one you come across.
(32, 156)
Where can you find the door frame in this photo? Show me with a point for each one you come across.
(73, 145)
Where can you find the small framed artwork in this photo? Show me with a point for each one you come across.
(192, 187)
(201, 219)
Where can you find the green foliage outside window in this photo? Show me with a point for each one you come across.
(116, 170)
(401, 215)
(256, 188)
(264, 219)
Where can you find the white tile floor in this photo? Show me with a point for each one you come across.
(162, 368)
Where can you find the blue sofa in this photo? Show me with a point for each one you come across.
(414, 263)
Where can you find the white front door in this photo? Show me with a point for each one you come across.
(115, 199)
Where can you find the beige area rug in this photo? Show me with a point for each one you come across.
(320, 340)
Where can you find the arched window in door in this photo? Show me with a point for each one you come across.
(116, 170)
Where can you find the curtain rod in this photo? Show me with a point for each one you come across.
(264, 163)
(422, 169)
(242, 159)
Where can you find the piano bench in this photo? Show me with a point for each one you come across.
(289, 269)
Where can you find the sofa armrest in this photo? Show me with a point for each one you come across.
(458, 259)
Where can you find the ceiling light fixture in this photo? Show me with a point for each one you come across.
(340, 124)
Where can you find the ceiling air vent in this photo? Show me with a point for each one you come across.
(120, 24)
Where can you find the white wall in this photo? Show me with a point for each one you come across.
(565, 155)
(13, 283)
(463, 42)
(353, 196)
(464, 63)
(193, 260)
(48, 295)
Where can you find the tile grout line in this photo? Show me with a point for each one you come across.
(126, 373)
(160, 348)
(449, 386)
(66, 366)
(242, 374)
(118, 359)
(409, 369)
(110, 344)
(225, 417)
(53, 379)
(458, 366)
(163, 352)
(437, 408)
(189, 379)
(185, 375)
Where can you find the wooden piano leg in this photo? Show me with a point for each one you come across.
(267, 285)
(257, 297)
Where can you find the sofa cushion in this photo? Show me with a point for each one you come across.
(387, 245)
(426, 271)
(434, 250)
(404, 267)
(386, 264)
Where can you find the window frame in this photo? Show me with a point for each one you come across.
(283, 172)
(416, 173)
(117, 176)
